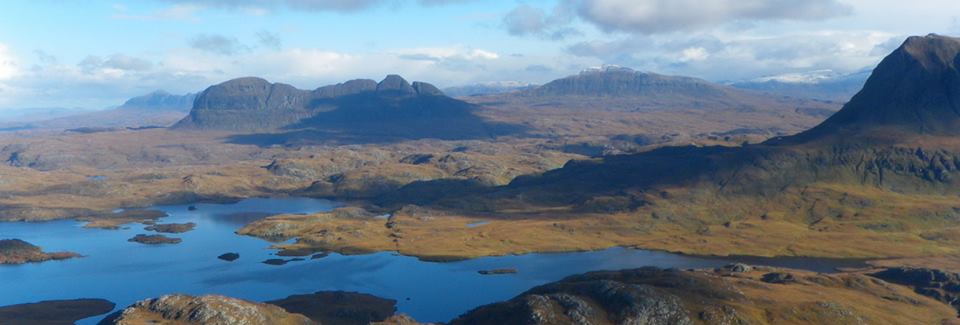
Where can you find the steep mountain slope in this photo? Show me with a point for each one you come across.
(914, 90)
(245, 104)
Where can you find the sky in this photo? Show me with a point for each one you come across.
(97, 53)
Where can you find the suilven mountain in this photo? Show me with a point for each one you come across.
(362, 108)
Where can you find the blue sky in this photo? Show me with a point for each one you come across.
(95, 54)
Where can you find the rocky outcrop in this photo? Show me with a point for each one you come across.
(229, 257)
(937, 284)
(54, 312)
(205, 310)
(339, 307)
(656, 296)
(778, 278)
(641, 296)
(15, 251)
(395, 84)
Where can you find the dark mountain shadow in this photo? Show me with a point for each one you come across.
(384, 117)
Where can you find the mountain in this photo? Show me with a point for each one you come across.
(390, 109)
(599, 105)
(819, 85)
(620, 88)
(614, 81)
(161, 100)
(488, 88)
(914, 90)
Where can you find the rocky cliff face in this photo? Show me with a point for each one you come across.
(247, 104)
(937, 284)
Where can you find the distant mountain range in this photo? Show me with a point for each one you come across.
(161, 101)
(488, 88)
(614, 81)
(615, 101)
(156, 109)
(820, 85)
(614, 87)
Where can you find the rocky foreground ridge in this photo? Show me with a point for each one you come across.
(733, 294)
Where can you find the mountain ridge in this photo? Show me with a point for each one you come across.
(257, 104)
(621, 81)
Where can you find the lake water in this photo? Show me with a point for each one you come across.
(125, 272)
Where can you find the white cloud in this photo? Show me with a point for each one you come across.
(102, 81)
(694, 54)
(721, 56)
(445, 53)
(8, 64)
(659, 16)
